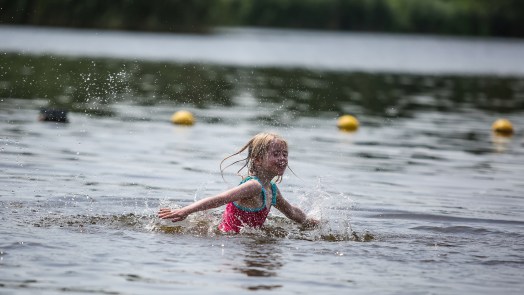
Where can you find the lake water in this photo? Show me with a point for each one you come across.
(422, 199)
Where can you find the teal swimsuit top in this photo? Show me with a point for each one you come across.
(263, 193)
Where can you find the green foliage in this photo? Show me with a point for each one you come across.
(463, 17)
(158, 15)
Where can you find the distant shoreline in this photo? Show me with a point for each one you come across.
(248, 47)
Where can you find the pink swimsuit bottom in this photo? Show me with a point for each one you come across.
(235, 216)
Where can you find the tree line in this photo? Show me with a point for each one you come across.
(502, 18)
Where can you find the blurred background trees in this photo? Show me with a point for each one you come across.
(504, 18)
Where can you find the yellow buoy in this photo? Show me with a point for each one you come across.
(183, 118)
(347, 123)
(502, 126)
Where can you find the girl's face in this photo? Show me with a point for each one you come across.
(275, 161)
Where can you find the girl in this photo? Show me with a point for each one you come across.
(249, 203)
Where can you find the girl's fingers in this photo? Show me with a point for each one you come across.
(176, 219)
(166, 214)
(164, 211)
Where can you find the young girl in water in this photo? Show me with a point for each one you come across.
(249, 203)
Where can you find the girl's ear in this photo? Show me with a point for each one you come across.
(257, 160)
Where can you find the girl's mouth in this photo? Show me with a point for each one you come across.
(282, 166)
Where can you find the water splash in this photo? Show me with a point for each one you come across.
(83, 213)
(203, 225)
(333, 210)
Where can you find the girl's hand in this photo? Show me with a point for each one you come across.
(174, 215)
(311, 223)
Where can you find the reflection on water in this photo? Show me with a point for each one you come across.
(500, 142)
(88, 85)
(92, 85)
(262, 258)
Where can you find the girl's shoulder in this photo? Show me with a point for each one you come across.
(250, 179)
(251, 182)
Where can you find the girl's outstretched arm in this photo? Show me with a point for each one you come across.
(248, 189)
(294, 213)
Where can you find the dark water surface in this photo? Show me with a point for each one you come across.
(422, 199)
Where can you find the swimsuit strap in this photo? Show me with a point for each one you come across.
(274, 189)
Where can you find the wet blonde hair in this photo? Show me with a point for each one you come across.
(256, 147)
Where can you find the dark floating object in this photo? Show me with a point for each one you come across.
(53, 115)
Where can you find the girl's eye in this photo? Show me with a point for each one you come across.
(276, 154)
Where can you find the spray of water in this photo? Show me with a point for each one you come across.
(332, 209)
